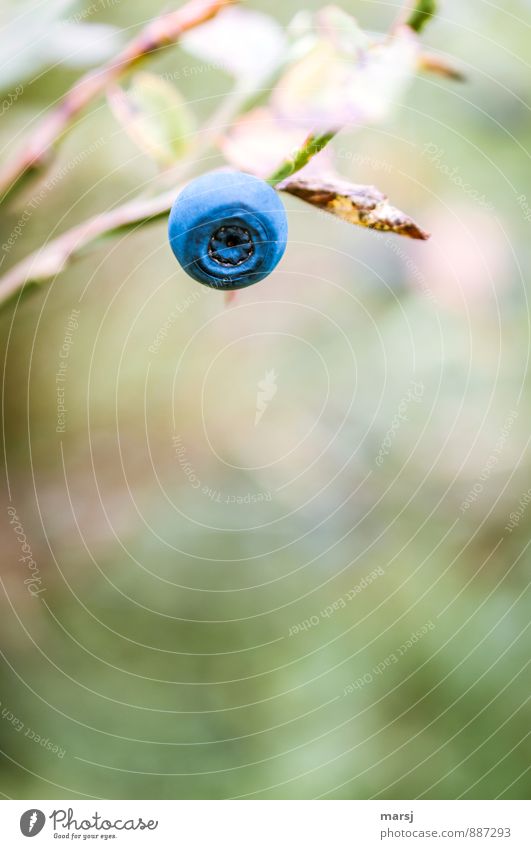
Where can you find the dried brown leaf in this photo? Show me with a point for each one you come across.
(363, 205)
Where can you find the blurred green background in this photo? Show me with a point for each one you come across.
(180, 545)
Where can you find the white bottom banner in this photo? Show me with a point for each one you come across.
(263, 824)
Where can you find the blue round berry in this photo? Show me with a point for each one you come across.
(228, 229)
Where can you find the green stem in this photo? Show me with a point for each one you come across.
(312, 145)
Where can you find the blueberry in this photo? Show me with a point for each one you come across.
(228, 229)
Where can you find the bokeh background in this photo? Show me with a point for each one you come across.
(180, 544)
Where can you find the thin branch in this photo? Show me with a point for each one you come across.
(164, 30)
(49, 261)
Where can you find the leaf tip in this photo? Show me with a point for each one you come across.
(441, 66)
(421, 14)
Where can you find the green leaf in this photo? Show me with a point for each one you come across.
(313, 145)
(155, 116)
(423, 11)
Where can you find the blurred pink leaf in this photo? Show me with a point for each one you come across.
(342, 30)
(365, 206)
(260, 141)
(246, 44)
(467, 261)
(344, 78)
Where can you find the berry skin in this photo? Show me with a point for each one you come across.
(227, 229)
